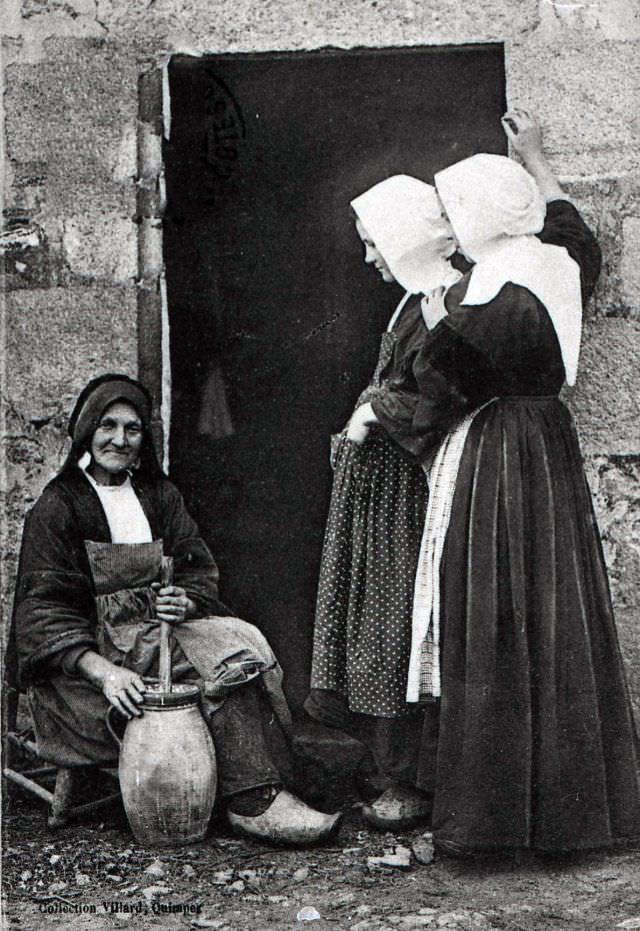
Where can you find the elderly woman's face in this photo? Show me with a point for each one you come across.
(115, 445)
(372, 256)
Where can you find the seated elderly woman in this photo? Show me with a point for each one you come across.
(87, 617)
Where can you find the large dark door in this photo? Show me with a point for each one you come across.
(274, 318)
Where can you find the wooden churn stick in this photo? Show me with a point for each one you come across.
(166, 578)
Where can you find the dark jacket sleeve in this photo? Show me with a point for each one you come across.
(565, 227)
(195, 569)
(54, 607)
(421, 402)
(453, 378)
(395, 407)
(418, 420)
(395, 411)
(66, 661)
(507, 347)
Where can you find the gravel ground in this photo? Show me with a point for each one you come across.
(94, 876)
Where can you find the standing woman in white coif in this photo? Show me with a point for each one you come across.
(362, 634)
(514, 632)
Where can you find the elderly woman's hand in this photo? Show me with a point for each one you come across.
(172, 603)
(524, 133)
(122, 687)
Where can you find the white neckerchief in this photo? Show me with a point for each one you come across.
(126, 519)
(548, 272)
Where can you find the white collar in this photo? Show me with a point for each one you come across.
(83, 464)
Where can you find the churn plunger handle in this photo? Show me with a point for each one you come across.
(164, 666)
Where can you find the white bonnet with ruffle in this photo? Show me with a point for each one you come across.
(489, 196)
(403, 217)
(495, 208)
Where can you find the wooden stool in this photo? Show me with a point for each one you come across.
(60, 800)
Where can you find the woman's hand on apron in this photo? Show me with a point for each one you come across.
(360, 424)
(172, 603)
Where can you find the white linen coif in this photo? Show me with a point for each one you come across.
(495, 209)
(403, 217)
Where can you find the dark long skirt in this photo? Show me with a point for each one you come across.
(362, 636)
(537, 746)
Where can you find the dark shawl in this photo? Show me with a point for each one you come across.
(54, 607)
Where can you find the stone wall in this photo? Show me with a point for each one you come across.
(71, 134)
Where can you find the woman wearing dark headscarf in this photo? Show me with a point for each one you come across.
(87, 607)
(513, 630)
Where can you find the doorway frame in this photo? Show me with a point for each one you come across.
(152, 321)
(152, 317)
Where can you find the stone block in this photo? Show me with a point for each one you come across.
(99, 246)
(34, 22)
(611, 206)
(596, 163)
(59, 338)
(493, 20)
(242, 25)
(326, 763)
(605, 399)
(33, 451)
(630, 262)
(102, 197)
(124, 159)
(24, 110)
(606, 19)
(71, 109)
(628, 624)
(70, 9)
(615, 19)
(585, 94)
(615, 487)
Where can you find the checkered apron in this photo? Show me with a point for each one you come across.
(423, 683)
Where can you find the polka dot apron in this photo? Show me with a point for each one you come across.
(362, 638)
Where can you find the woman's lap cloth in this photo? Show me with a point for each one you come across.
(231, 661)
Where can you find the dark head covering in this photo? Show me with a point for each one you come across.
(94, 399)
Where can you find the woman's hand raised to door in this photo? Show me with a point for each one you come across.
(524, 133)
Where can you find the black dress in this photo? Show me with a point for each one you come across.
(536, 740)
